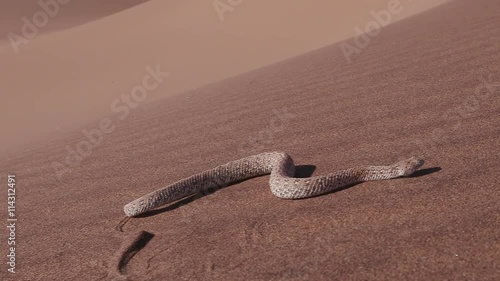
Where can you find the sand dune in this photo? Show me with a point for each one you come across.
(427, 85)
(67, 79)
(63, 14)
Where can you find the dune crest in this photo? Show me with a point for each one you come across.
(95, 63)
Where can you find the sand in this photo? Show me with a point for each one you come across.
(425, 85)
(75, 74)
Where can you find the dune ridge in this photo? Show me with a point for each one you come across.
(94, 63)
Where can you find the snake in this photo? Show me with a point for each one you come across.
(282, 182)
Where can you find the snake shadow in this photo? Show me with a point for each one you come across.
(301, 171)
(424, 172)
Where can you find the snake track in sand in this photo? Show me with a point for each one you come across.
(281, 167)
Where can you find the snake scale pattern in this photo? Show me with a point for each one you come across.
(282, 182)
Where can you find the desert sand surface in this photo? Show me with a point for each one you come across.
(75, 74)
(426, 85)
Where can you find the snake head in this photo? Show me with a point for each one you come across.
(409, 166)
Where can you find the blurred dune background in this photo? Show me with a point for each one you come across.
(91, 52)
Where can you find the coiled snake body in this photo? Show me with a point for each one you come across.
(281, 167)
